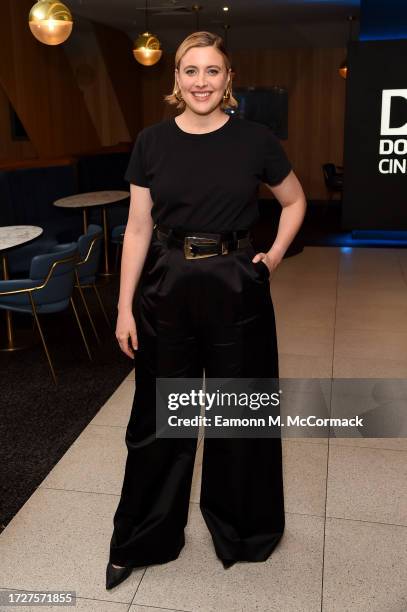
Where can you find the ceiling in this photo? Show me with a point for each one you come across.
(252, 23)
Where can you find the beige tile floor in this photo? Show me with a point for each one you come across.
(339, 313)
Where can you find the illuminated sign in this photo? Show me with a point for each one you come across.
(394, 147)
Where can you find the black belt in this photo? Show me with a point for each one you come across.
(197, 245)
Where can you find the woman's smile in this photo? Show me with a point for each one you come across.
(201, 95)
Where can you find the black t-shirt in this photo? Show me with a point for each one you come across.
(206, 182)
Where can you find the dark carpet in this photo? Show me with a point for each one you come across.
(39, 420)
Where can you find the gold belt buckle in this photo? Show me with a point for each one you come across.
(190, 241)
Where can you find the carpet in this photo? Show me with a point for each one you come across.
(39, 420)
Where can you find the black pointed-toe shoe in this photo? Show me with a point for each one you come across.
(227, 563)
(116, 575)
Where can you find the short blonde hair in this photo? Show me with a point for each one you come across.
(201, 39)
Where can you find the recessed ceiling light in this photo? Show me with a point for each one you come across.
(225, 8)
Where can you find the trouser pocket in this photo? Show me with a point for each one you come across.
(260, 267)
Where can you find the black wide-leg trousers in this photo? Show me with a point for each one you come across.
(214, 313)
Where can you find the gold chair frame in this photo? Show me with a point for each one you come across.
(31, 290)
(84, 286)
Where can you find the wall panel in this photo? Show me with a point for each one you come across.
(39, 82)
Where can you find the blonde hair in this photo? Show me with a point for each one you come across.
(202, 39)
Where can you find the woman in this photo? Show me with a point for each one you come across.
(200, 304)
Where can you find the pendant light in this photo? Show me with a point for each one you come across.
(50, 22)
(343, 68)
(147, 46)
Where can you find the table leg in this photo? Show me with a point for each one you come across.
(9, 324)
(85, 220)
(106, 271)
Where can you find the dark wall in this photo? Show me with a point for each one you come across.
(375, 194)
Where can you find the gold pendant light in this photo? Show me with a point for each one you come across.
(147, 46)
(147, 49)
(50, 22)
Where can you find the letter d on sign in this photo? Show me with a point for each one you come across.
(387, 96)
(386, 147)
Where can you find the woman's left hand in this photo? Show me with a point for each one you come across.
(270, 259)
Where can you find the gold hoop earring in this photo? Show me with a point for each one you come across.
(227, 93)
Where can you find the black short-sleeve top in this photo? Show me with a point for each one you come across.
(206, 182)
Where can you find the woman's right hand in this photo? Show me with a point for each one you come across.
(126, 332)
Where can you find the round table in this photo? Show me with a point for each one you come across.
(94, 198)
(12, 236)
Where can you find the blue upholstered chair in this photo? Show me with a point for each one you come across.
(86, 268)
(47, 290)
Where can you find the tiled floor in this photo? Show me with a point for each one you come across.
(339, 313)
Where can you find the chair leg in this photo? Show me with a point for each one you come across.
(80, 327)
(42, 337)
(101, 305)
(78, 286)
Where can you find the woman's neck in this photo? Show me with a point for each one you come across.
(193, 122)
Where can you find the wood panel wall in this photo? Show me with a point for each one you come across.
(12, 149)
(39, 82)
(92, 77)
(125, 74)
(316, 103)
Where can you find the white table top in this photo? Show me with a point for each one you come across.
(92, 198)
(14, 235)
